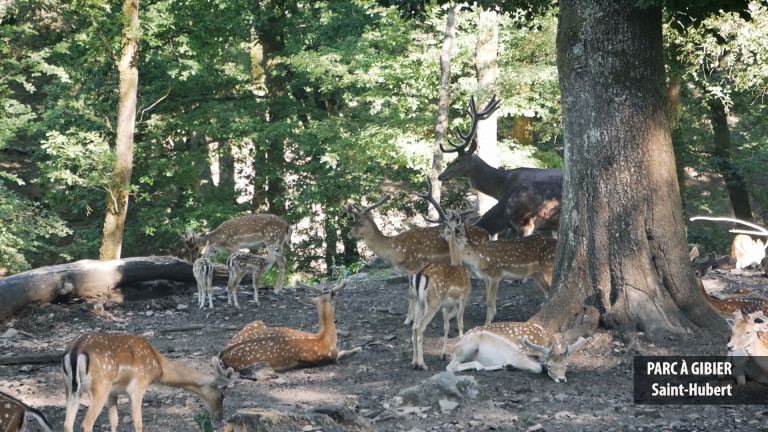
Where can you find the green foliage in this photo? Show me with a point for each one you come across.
(203, 420)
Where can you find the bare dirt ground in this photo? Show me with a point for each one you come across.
(370, 314)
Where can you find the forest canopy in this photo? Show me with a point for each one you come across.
(296, 108)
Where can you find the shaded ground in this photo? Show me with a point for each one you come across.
(597, 396)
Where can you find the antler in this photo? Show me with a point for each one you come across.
(476, 116)
(355, 210)
(338, 286)
(442, 218)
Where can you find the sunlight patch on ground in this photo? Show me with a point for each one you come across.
(293, 396)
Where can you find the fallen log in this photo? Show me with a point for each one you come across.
(86, 278)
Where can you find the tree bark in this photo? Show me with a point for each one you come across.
(734, 182)
(442, 107)
(622, 252)
(86, 278)
(119, 188)
(486, 55)
(523, 130)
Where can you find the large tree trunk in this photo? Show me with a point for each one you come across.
(734, 182)
(486, 54)
(119, 188)
(442, 107)
(622, 249)
(86, 278)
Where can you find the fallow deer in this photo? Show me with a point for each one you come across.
(408, 251)
(748, 347)
(440, 286)
(747, 251)
(285, 348)
(747, 302)
(528, 197)
(14, 415)
(107, 365)
(240, 263)
(521, 345)
(252, 232)
(743, 249)
(509, 259)
(202, 269)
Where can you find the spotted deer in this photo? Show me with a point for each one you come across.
(202, 269)
(285, 348)
(252, 232)
(408, 251)
(740, 301)
(748, 347)
(440, 286)
(240, 263)
(107, 365)
(521, 345)
(14, 415)
(529, 198)
(509, 259)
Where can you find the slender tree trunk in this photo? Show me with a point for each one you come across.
(734, 182)
(119, 188)
(487, 72)
(443, 104)
(622, 254)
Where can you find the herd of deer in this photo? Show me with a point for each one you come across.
(438, 259)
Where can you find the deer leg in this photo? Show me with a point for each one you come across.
(73, 405)
(541, 281)
(112, 412)
(232, 285)
(411, 306)
(447, 314)
(136, 399)
(493, 287)
(99, 394)
(419, 325)
(256, 276)
(209, 289)
(280, 275)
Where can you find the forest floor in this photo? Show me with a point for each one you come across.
(598, 395)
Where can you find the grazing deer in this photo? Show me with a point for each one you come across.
(408, 251)
(251, 232)
(202, 269)
(528, 197)
(743, 302)
(440, 286)
(521, 345)
(509, 259)
(14, 415)
(748, 347)
(747, 251)
(107, 365)
(285, 348)
(240, 263)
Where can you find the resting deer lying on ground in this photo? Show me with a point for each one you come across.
(528, 198)
(440, 286)
(252, 232)
(202, 269)
(240, 263)
(743, 302)
(285, 348)
(509, 259)
(408, 251)
(748, 347)
(14, 415)
(521, 345)
(108, 365)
